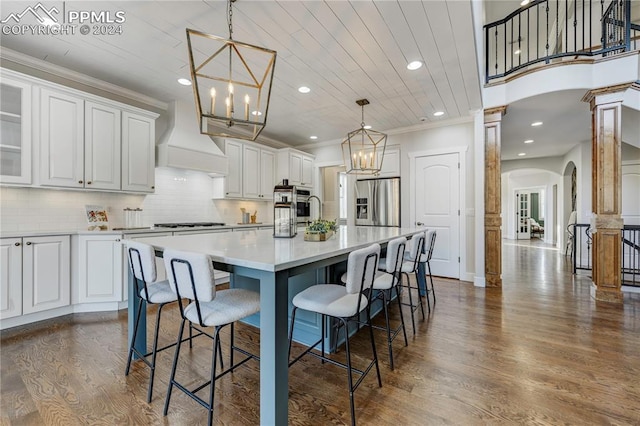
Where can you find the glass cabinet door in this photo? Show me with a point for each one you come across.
(15, 131)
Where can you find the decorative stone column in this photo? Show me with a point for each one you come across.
(492, 196)
(606, 190)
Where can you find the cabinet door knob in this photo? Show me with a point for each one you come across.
(89, 183)
(28, 243)
(153, 187)
(117, 240)
(419, 223)
(79, 181)
(17, 244)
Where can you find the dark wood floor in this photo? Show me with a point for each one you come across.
(539, 351)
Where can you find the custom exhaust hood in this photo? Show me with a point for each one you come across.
(183, 147)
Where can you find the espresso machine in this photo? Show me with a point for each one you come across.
(284, 210)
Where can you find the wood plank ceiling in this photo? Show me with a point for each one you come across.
(342, 50)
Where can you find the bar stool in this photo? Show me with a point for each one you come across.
(426, 259)
(345, 303)
(410, 266)
(191, 276)
(143, 268)
(387, 280)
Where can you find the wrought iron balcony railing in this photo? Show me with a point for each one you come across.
(545, 30)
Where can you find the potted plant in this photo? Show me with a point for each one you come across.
(320, 230)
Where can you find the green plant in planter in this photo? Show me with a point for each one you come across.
(321, 226)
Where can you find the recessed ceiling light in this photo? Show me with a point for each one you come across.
(517, 52)
(367, 127)
(529, 141)
(184, 81)
(522, 154)
(303, 89)
(313, 137)
(256, 113)
(524, 2)
(438, 113)
(536, 123)
(414, 65)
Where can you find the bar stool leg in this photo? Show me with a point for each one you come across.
(408, 287)
(386, 318)
(433, 290)
(349, 375)
(404, 329)
(214, 356)
(154, 352)
(293, 320)
(173, 369)
(373, 345)
(133, 338)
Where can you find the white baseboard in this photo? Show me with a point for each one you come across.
(35, 317)
(479, 282)
(467, 276)
(630, 289)
(96, 307)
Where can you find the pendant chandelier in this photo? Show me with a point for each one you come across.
(363, 148)
(231, 83)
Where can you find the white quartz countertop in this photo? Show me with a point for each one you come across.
(129, 231)
(258, 249)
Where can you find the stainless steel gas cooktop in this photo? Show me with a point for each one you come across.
(188, 225)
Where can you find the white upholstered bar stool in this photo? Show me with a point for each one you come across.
(410, 266)
(191, 276)
(386, 280)
(345, 303)
(143, 267)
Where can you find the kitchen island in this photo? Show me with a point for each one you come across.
(273, 262)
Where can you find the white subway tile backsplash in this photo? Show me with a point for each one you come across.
(181, 196)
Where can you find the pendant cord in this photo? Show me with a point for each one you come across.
(230, 18)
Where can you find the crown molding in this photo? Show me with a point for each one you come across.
(397, 131)
(65, 73)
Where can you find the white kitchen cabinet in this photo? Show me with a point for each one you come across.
(100, 262)
(257, 179)
(46, 264)
(307, 171)
(10, 277)
(15, 130)
(251, 172)
(296, 166)
(102, 135)
(138, 152)
(390, 163)
(61, 139)
(267, 174)
(233, 185)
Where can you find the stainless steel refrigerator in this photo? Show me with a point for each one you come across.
(378, 202)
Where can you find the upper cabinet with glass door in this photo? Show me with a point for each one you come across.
(15, 130)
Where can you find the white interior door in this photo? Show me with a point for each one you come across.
(437, 201)
(522, 216)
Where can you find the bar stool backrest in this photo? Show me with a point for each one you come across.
(431, 241)
(190, 275)
(416, 245)
(361, 268)
(142, 259)
(395, 254)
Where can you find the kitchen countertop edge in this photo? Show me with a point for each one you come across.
(47, 233)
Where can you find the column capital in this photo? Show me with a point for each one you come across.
(605, 95)
(495, 114)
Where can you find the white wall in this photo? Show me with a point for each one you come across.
(443, 138)
(181, 196)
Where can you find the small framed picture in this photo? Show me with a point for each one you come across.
(97, 218)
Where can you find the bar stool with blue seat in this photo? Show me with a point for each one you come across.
(410, 266)
(143, 267)
(191, 276)
(426, 259)
(345, 303)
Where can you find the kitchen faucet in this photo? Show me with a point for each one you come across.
(319, 204)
